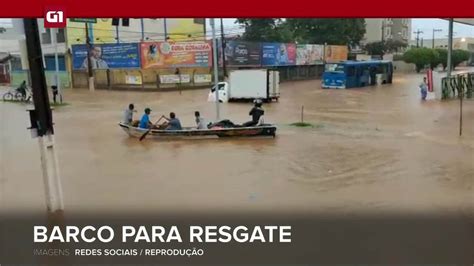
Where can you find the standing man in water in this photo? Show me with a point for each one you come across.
(424, 89)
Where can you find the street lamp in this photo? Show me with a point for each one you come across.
(433, 41)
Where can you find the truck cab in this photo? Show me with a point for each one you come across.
(248, 85)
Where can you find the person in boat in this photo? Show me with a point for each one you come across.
(128, 115)
(145, 121)
(173, 122)
(200, 123)
(257, 115)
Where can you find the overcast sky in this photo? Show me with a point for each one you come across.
(425, 25)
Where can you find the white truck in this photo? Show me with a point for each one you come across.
(252, 84)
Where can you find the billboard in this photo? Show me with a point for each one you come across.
(242, 53)
(336, 53)
(104, 56)
(309, 54)
(176, 54)
(278, 54)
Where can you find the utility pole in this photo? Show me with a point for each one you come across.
(216, 70)
(89, 63)
(433, 43)
(223, 45)
(418, 32)
(383, 30)
(54, 40)
(450, 47)
(42, 120)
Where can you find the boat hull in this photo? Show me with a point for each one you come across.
(265, 131)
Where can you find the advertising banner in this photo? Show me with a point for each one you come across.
(104, 56)
(173, 79)
(202, 78)
(243, 53)
(309, 54)
(336, 53)
(278, 54)
(133, 79)
(176, 54)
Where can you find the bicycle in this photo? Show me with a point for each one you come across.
(16, 95)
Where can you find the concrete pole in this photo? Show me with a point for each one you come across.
(450, 46)
(216, 70)
(51, 177)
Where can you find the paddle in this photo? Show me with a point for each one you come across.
(148, 131)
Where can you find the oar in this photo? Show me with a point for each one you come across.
(148, 131)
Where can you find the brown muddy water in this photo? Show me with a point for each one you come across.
(373, 149)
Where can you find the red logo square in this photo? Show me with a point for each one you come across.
(55, 17)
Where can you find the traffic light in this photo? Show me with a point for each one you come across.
(125, 22)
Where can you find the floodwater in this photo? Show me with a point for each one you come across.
(374, 149)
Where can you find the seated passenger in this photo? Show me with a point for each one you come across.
(173, 122)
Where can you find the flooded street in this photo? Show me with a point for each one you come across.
(376, 149)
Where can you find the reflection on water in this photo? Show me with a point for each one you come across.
(362, 153)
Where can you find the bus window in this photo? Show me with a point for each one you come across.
(382, 69)
(350, 71)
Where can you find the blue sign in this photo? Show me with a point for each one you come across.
(104, 56)
(278, 54)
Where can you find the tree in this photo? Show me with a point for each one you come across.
(394, 45)
(458, 56)
(375, 48)
(331, 31)
(421, 57)
(2, 29)
(442, 58)
(265, 30)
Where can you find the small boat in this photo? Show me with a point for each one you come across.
(267, 130)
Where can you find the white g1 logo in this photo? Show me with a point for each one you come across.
(55, 17)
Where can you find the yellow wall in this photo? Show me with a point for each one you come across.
(102, 32)
(178, 29)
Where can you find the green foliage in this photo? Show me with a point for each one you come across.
(457, 57)
(331, 31)
(375, 48)
(265, 30)
(382, 47)
(316, 31)
(420, 57)
(394, 45)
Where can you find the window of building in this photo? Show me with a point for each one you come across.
(199, 21)
(50, 63)
(60, 36)
(46, 36)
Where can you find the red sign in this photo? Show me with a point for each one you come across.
(54, 17)
(430, 80)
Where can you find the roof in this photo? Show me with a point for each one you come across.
(4, 57)
(353, 62)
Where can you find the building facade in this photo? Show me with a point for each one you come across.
(387, 28)
(12, 41)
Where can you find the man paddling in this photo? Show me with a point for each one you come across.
(145, 121)
(173, 122)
